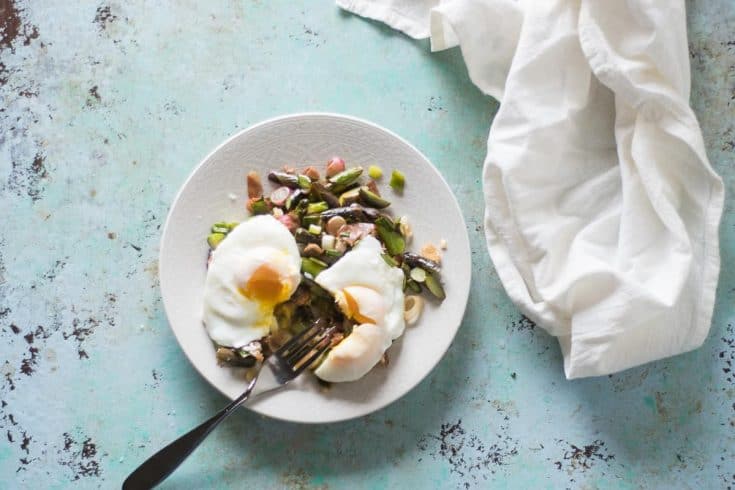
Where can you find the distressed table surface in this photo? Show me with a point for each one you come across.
(107, 106)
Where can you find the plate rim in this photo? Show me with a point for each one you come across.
(326, 115)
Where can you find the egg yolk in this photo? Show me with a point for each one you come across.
(265, 286)
(353, 309)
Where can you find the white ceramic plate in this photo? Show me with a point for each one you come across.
(215, 191)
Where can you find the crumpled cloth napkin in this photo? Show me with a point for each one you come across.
(602, 209)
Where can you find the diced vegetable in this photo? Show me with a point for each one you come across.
(317, 207)
(418, 274)
(214, 239)
(346, 177)
(375, 172)
(371, 199)
(280, 195)
(231, 357)
(328, 241)
(413, 286)
(393, 241)
(333, 253)
(303, 236)
(315, 229)
(349, 197)
(414, 260)
(397, 180)
(389, 260)
(311, 219)
(300, 208)
(221, 227)
(433, 284)
(321, 192)
(294, 198)
(312, 266)
(283, 178)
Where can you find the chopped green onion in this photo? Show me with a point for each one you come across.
(311, 219)
(312, 266)
(418, 274)
(221, 227)
(328, 242)
(314, 229)
(397, 180)
(317, 207)
(375, 172)
(214, 239)
(333, 253)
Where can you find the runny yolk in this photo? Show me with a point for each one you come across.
(265, 286)
(353, 309)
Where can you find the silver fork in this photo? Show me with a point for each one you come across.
(284, 365)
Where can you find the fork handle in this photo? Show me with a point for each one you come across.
(156, 468)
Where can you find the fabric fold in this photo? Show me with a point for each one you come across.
(602, 210)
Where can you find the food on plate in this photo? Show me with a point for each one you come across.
(318, 246)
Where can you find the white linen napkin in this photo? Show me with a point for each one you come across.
(602, 209)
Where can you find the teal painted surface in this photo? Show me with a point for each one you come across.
(106, 107)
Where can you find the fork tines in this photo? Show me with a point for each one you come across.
(306, 347)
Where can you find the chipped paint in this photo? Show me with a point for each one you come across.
(108, 105)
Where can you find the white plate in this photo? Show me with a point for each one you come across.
(208, 195)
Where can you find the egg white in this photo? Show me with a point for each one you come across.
(229, 315)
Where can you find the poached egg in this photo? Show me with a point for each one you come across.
(256, 267)
(370, 292)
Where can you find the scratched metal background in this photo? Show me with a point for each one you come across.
(105, 108)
